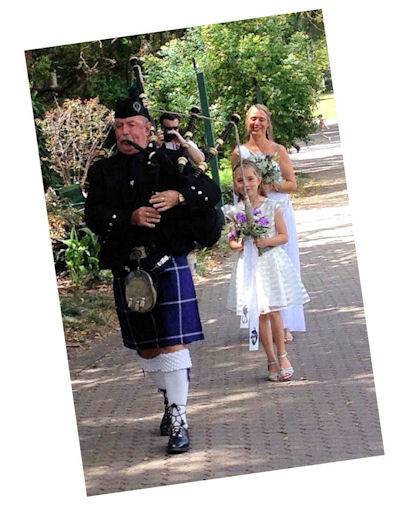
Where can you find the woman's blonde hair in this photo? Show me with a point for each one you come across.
(264, 108)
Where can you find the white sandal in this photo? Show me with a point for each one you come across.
(273, 376)
(286, 373)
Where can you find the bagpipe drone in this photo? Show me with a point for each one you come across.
(194, 115)
(207, 225)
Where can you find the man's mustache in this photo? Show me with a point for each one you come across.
(127, 139)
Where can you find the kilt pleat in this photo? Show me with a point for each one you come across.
(174, 320)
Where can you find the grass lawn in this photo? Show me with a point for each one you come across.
(327, 106)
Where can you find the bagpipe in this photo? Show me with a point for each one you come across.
(208, 223)
(194, 116)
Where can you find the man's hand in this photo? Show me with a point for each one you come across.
(160, 138)
(165, 200)
(178, 136)
(145, 216)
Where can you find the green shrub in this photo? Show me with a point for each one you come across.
(225, 178)
(62, 216)
(73, 136)
(80, 256)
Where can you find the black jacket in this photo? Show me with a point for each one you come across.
(119, 185)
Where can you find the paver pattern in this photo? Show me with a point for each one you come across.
(239, 422)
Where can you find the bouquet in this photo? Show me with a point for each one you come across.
(240, 226)
(269, 167)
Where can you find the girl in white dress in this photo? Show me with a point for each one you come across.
(261, 144)
(278, 285)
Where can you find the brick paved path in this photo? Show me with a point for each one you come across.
(239, 422)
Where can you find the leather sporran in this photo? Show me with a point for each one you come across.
(140, 292)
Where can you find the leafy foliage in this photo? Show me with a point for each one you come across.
(61, 217)
(225, 179)
(74, 134)
(283, 59)
(80, 256)
(98, 68)
(286, 54)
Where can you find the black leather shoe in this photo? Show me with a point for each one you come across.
(178, 440)
(165, 426)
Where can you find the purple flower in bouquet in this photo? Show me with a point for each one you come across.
(257, 212)
(241, 218)
(231, 235)
(264, 221)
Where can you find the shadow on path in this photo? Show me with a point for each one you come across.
(239, 422)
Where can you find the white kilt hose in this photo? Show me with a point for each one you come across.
(167, 362)
(170, 372)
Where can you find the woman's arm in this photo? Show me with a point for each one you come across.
(290, 183)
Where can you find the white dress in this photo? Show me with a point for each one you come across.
(278, 284)
(293, 317)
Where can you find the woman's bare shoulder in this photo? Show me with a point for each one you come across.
(280, 151)
(279, 148)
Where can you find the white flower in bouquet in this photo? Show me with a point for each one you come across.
(269, 167)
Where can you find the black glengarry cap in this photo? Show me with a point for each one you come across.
(126, 107)
(130, 106)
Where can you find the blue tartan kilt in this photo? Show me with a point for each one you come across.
(174, 320)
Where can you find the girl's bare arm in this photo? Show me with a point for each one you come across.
(236, 245)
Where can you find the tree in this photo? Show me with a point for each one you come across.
(74, 134)
(273, 50)
(89, 69)
(287, 55)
